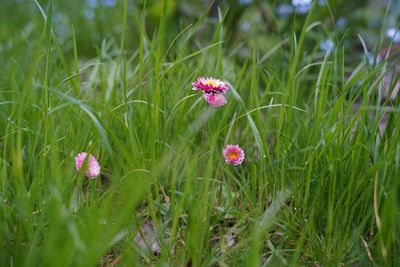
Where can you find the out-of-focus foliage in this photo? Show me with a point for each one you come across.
(248, 23)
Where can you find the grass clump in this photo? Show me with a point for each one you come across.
(319, 183)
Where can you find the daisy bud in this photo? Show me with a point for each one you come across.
(215, 100)
(92, 168)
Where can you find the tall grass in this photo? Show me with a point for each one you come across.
(319, 185)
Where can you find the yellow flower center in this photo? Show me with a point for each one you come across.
(212, 83)
(233, 155)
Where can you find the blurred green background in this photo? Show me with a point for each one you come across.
(248, 23)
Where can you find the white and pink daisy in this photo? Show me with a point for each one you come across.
(213, 90)
(92, 168)
(210, 85)
(233, 154)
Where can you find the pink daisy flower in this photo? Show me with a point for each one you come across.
(215, 100)
(233, 154)
(93, 167)
(209, 85)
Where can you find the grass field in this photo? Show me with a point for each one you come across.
(319, 185)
